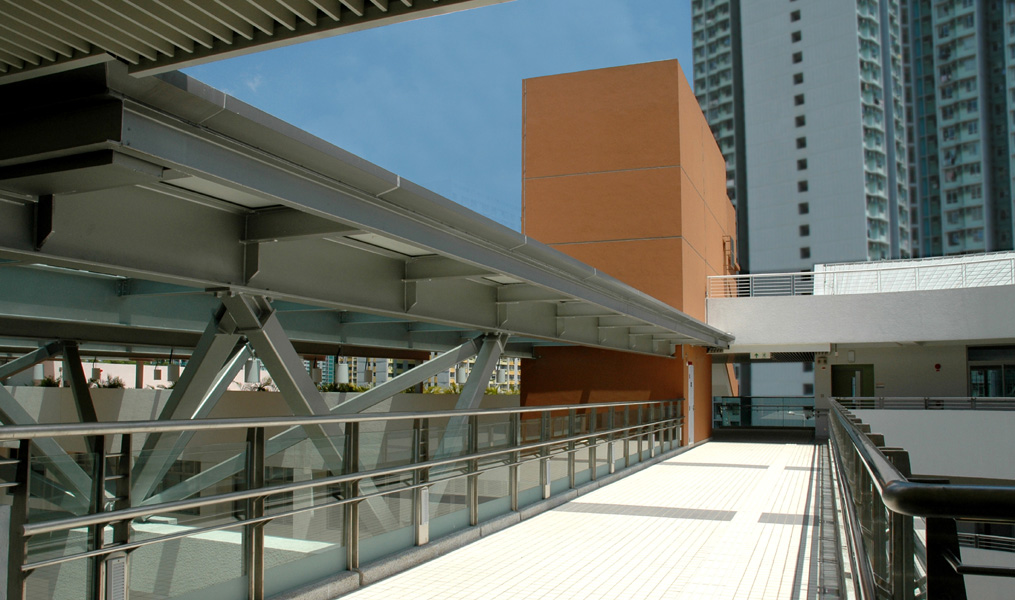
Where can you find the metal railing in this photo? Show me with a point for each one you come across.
(403, 478)
(927, 403)
(980, 541)
(900, 276)
(763, 411)
(879, 504)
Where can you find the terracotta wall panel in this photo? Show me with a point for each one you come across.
(615, 205)
(652, 266)
(602, 120)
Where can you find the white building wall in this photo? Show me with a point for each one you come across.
(833, 131)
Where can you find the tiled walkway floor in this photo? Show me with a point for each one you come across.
(724, 520)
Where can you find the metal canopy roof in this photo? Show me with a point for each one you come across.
(126, 203)
(155, 36)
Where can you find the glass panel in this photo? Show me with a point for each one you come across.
(559, 481)
(528, 480)
(494, 493)
(582, 473)
(1009, 381)
(304, 547)
(68, 581)
(207, 565)
(385, 525)
(494, 431)
(449, 509)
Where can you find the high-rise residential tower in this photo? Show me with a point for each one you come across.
(860, 130)
(960, 58)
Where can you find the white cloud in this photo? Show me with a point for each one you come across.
(254, 83)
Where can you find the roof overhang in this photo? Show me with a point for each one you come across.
(123, 199)
(156, 36)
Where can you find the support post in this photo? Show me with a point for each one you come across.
(421, 497)
(351, 491)
(571, 422)
(514, 433)
(472, 481)
(544, 462)
(610, 452)
(593, 442)
(253, 534)
(18, 547)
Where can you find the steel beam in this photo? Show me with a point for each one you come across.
(417, 374)
(189, 394)
(294, 435)
(31, 359)
(255, 319)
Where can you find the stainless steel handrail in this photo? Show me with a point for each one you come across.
(952, 501)
(655, 422)
(28, 432)
(928, 403)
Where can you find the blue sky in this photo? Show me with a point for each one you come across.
(438, 100)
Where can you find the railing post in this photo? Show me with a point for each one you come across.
(610, 424)
(572, 418)
(514, 434)
(942, 580)
(593, 441)
(351, 514)
(421, 497)
(902, 556)
(544, 461)
(472, 481)
(253, 534)
(626, 435)
(17, 547)
(651, 430)
(97, 445)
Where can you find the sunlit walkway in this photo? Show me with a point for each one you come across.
(724, 520)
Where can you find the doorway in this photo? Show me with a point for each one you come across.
(853, 381)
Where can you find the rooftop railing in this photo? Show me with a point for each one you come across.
(763, 411)
(895, 276)
(880, 501)
(235, 517)
(927, 403)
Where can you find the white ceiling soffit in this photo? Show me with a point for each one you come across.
(164, 179)
(154, 36)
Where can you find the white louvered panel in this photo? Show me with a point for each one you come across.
(220, 14)
(303, 9)
(27, 21)
(13, 39)
(174, 22)
(355, 6)
(148, 22)
(117, 25)
(44, 40)
(185, 12)
(61, 22)
(332, 8)
(272, 9)
(259, 19)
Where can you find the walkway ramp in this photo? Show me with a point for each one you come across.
(723, 520)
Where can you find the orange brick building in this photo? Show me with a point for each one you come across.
(621, 171)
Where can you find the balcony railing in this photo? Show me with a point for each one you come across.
(269, 505)
(889, 558)
(927, 403)
(763, 411)
(890, 277)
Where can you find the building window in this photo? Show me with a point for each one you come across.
(801, 142)
(803, 208)
(794, 16)
(798, 57)
(798, 100)
(800, 120)
(801, 186)
(805, 252)
(805, 230)
(808, 367)
(808, 389)
(798, 78)
(801, 165)
(795, 37)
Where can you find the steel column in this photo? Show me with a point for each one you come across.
(350, 528)
(253, 534)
